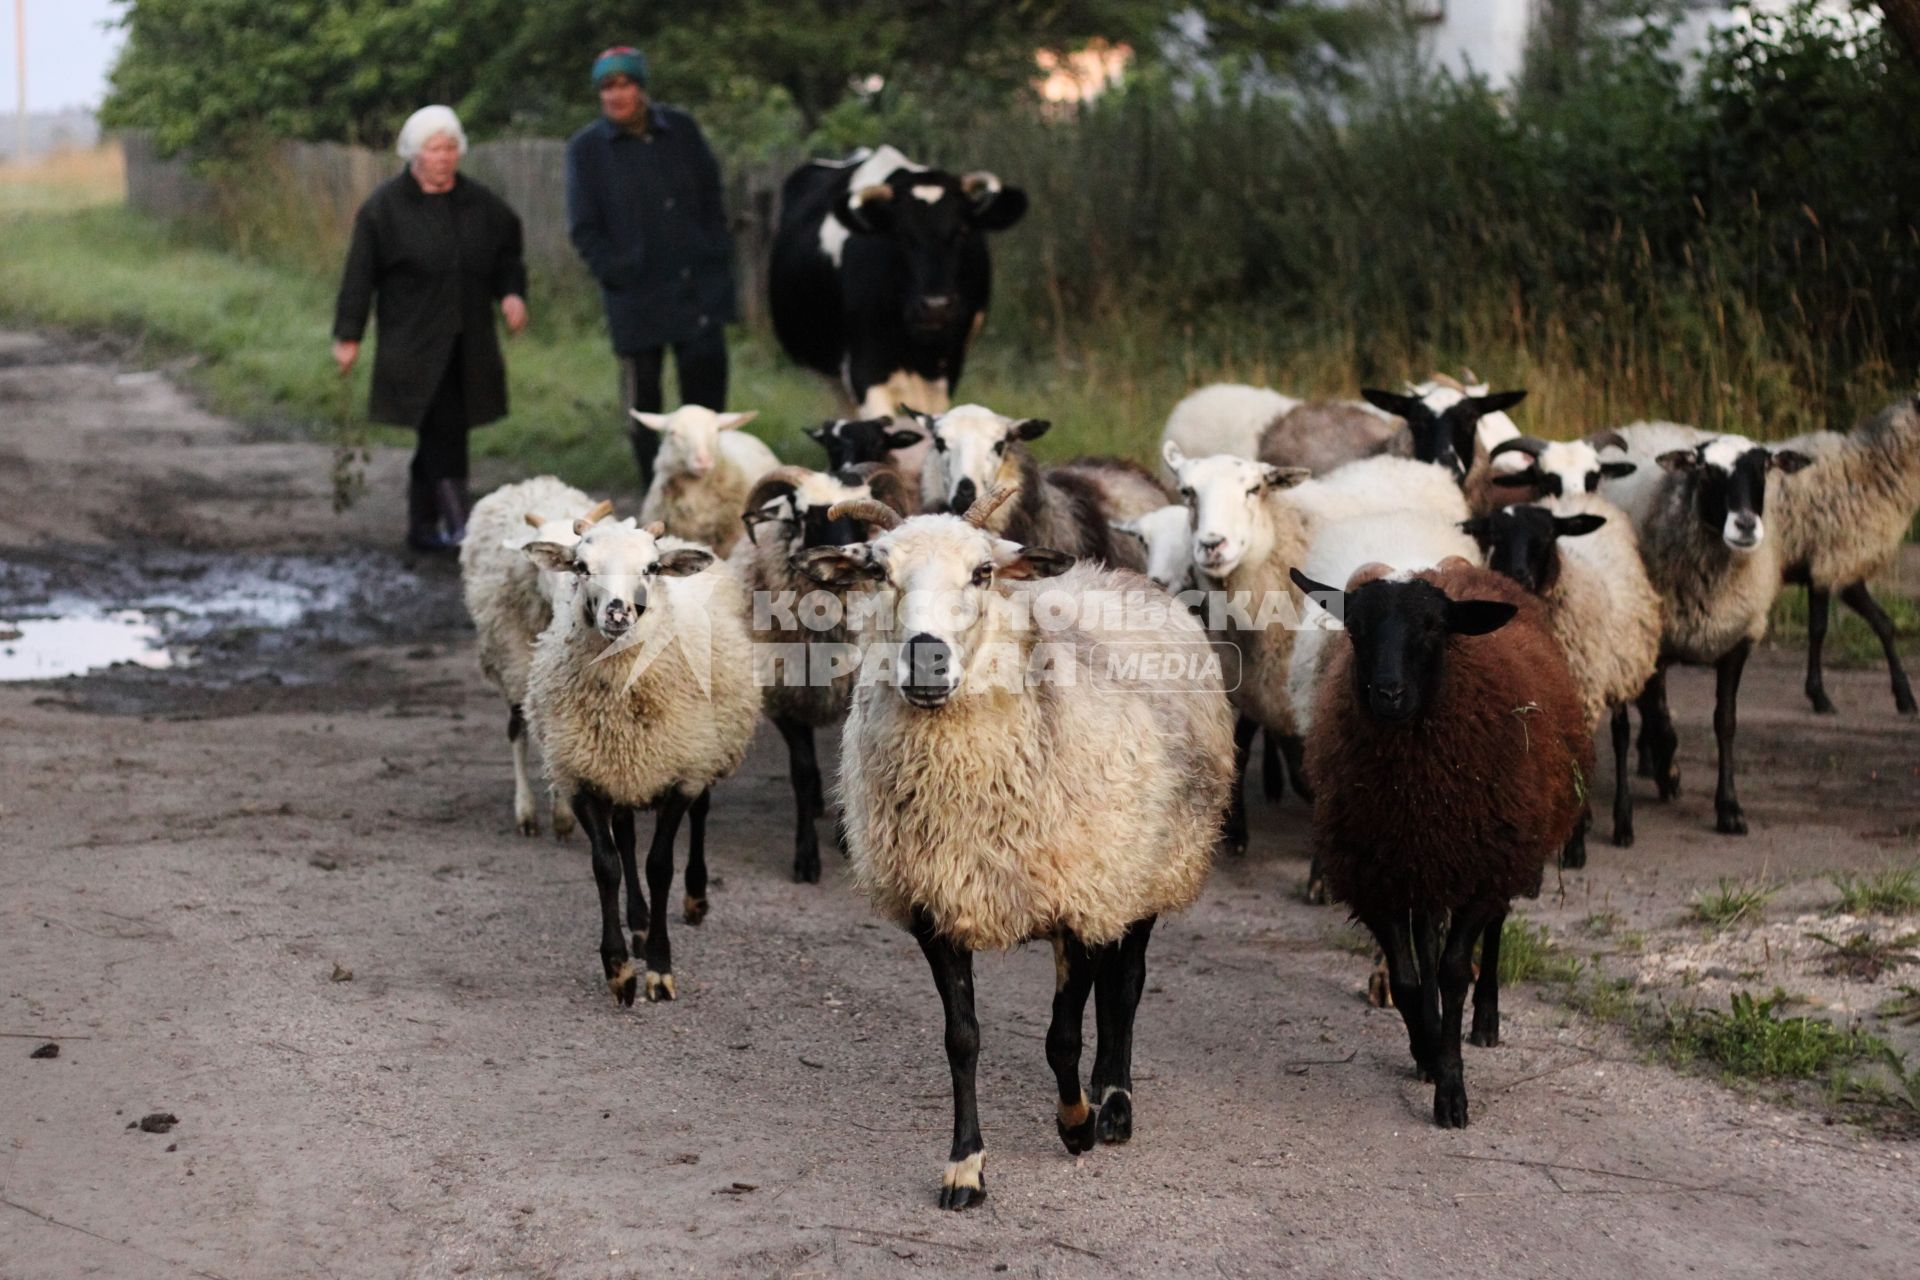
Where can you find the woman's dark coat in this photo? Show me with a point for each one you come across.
(438, 265)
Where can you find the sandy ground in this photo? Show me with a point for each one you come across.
(188, 859)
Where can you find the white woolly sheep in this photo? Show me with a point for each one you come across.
(702, 474)
(1528, 469)
(1705, 547)
(642, 695)
(1842, 520)
(987, 805)
(1165, 551)
(511, 603)
(1579, 554)
(806, 663)
(1066, 507)
(1226, 417)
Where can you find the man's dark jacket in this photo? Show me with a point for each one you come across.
(438, 265)
(645, 213)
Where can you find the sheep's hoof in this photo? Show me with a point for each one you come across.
(1379, 989)
(621, 982)
(964, 1182)
(562, 825)
(694, 909)
(1730, 822)
(659, 987)
(1315, 892)
(1623, 837)
(1822, 704)
(1486, 1029)
(1904, 704)
(1574, 855)
(1668, 788)
(528, 824)
(806, 867)
(1116, 1116)
(1078, 1124)
(1450, 1105)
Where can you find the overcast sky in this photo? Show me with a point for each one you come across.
(69, 49)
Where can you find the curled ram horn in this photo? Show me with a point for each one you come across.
(535, 519)
(877, 514)
(1468, 377)
(1529, 445)
(598, 512)
(1610, 440)
(1443, 380)
(885, 483)
(776, 483)
(983, 507)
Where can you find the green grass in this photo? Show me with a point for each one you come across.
(1528, 953)
(1850, 642)
(1731, 902)
(1754, 1041)
(1893, 891)
(1861, 955)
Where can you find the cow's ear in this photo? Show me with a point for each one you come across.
(999, 210)
(870, 209)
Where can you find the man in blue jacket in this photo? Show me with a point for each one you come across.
(644, 211)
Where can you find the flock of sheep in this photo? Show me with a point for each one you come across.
(1425, 613)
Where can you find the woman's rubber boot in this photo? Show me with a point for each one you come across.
(451, 498)
(423, 516)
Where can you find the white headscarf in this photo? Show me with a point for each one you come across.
(425, 124)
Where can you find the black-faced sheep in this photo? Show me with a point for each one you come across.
(1580, 556)
(1449, 756)
(642, 696)
(511, 603)
(987, 804)
(806, 663)
(851, 442)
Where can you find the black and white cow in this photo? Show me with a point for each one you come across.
(881, 277)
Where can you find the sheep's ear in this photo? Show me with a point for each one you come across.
(1478, 527)
(1478, 617)
(903, 439)
(1272, 477)
(1394, 403)
(1788, 461)
(1574, 526)
(728, 421)
(683, 563)
(1128, 529)
(1031, 428)
(651, 421)
(1679, 460)
(535, 520)
(552, 557)
(1614, 470)
(820, 434)
(1332, 599)
(655, 530)
(1171, 455)
(1035, 562)
(837, 566)
(1499, 400)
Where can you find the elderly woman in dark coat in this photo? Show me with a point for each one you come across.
(438, 250)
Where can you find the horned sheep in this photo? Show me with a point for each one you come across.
(984, 808)
(511, 602)
(1455, 731)
(642, 695)
(702, 473)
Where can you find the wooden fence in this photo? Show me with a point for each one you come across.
(323, 183)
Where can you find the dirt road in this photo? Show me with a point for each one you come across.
(189, 858)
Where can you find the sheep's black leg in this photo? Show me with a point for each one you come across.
(524, 815)
(1819, 608)
(1428, 933)
(1657, 736)
(1486, 990)
(1393, 933)
(1728, 820)
(1294, 749)
(1119, 978)
(668, 810)
(1243, 731)
(1273, 782)
(1855, 597)
(807, 798)
(694, 909)
(621, 820)
(594, 814)
(1455, 971)
(1573, 855)
(1073, 969)
(964, 1182)
(1622, 789)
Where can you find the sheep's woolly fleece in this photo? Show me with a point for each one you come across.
(1226, 417)
(1006, 815)
(505, 594)
(1467, 804)
(1842, 520)
(1603, 608)
(704, 508)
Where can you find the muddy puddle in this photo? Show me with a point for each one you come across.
(167, 625)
